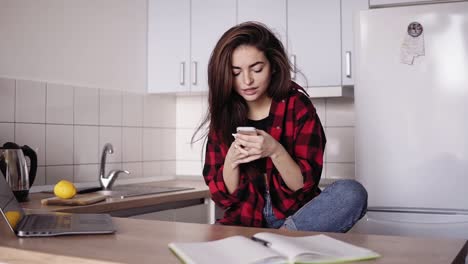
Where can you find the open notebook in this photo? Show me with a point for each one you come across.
(52, 224)
(271, 248)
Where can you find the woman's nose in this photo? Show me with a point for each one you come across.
(248, 78)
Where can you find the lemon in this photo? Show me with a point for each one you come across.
(64, 189)
(13, 217)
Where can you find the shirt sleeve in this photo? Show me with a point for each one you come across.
(309, 144)
(213, 175)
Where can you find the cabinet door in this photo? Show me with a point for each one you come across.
(269, 12)
(210, 19)
(314, 37)
(168, 45)
(349, 9)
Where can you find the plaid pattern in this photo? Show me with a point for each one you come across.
(299, 130)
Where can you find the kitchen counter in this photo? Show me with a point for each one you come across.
(143, 241)
(131, 205)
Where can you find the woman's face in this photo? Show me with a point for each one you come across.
(251, 71)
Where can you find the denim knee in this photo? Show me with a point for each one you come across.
(355, 193)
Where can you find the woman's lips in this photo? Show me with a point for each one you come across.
(249, 91)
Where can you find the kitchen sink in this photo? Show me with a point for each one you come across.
(132, 190)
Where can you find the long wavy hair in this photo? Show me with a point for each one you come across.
(227, 109)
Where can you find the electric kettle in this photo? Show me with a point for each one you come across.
(15, 169)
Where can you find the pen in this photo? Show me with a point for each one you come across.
(264, 242)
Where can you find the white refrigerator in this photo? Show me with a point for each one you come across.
(411, 131)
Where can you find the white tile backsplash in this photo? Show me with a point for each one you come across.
(110, 108)
(340, 144)
(168, 168)
(132, 148)
(150, 133)
(184, 149)
(151, 168)
(86, 173)
(340, 112)
(59, 144)
(32, 135)
(189, 111)
(86, 144)
(59, 108)
(159, 111)
(30, 101)
(167, 144)
(40, 178)
(112, 135)
(135, 169)
(132, 110)
(68, 125)
(194, 168)
(86, 106)
(319, 104)
(56, 173)
(7, 133)
(7, 100)
(340, 170)
(152, 144)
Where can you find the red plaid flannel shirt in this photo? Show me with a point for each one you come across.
(299, 130)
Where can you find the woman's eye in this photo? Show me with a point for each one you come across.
(258, 70)
(236, 73)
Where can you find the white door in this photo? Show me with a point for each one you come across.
(270, 12)
(210, 19)
(168, 45)
(314, 41)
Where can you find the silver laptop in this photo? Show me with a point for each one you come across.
(54, 224)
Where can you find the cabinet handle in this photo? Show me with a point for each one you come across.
(194, 72)
(348, 64)
(182, 73)
(293, 62)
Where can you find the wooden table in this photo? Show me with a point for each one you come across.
(143, 241)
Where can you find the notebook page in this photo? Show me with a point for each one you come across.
(317, 248)
(231, 250)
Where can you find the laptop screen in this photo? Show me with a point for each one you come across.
(9, 206)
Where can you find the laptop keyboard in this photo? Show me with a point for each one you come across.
(45, 222)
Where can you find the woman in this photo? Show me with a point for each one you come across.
(269, 179)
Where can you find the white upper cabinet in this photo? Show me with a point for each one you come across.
(210, 19)
(181, 36)
(349, 10)
(168, 45)
(314, 42)
(269, 12)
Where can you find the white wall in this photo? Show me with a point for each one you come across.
(89, 43)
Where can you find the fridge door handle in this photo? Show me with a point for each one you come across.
(348, 64)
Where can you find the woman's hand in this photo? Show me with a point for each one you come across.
(252, 147)
(235, 154)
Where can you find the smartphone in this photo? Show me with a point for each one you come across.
(252, 131)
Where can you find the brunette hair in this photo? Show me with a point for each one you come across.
(227, 109)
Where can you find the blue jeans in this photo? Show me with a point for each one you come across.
(336, 209)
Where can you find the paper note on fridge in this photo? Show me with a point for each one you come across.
(411, 48)
(280, 249)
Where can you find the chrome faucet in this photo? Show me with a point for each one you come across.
(107, 181)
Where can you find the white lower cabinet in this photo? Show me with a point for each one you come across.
(190, 214)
